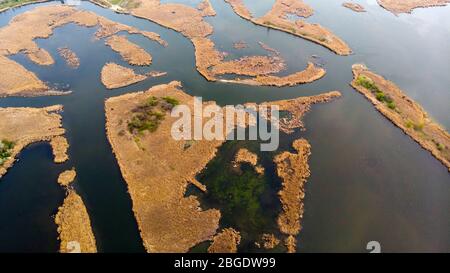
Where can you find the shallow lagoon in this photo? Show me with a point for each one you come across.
(369, 181)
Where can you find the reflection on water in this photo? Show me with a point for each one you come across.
(369, 181)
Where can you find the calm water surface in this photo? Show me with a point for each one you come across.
(369, 181)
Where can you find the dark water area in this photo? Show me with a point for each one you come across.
(29, 198)
(368, 180)
(247, 200)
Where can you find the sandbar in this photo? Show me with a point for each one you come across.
(403, 112)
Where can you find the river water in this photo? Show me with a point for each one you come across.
(369, 181)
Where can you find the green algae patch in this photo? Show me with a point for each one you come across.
(5, 150)
(247, 200)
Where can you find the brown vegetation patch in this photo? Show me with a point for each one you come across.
(206, 56)
(407, 6)
(168, 221)
(18, 81)
(268, 241)
(297, 108)
(60, 146)
(116, 76)
(40, 56)
(245, 156)
(209, 61)
(71, 58)
(225, 241)
(67, 177)
(184, 19)
(354, 6)
(405, 113)
(250, 66)
(74, 226)
(293, 169)
(130, 52)
(206, 8)
(23, 126)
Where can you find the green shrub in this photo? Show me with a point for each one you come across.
(5, 150)
(391, 105)
(418, 126)
(380, 96)
(152, 101)
(368, 84)
(409, 124)
(149, 115)
(172, 101)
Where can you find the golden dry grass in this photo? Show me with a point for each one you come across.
(24, 126)
(225, 241)
(116, 76)
(74, 225)
(293, 169)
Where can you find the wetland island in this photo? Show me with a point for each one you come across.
(224, 126)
